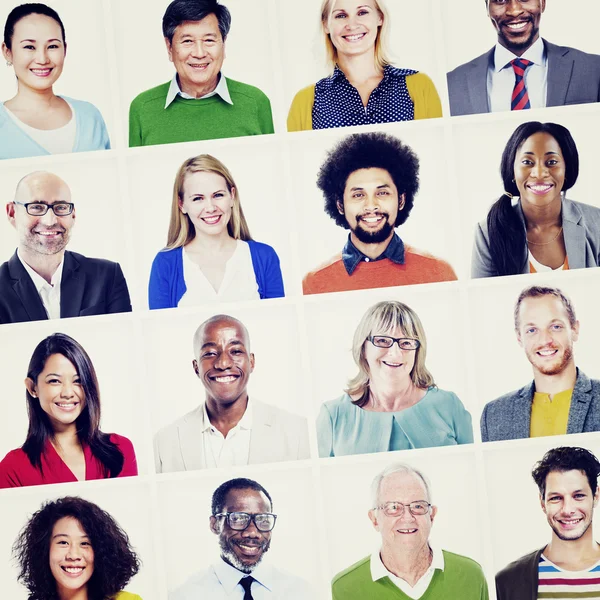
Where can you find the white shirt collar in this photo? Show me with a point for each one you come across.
(221, 90)
(536, 53)
(244, 423)
(379, 571)
(229, 576)
(39, 282)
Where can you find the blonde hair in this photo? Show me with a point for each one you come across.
(381, 42)
(181, 229)
(381, 318)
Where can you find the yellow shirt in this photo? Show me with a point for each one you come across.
(127, 596)
(550, 417)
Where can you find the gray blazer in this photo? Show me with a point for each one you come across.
(573, 78)
(277, 435)
(509, 417)
(581, 230)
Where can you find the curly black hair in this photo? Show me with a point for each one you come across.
(115, 562)
(567, 458)
(241, 483)
(367, 151)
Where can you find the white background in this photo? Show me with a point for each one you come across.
(85, 73)
(457, 526)
(126, 501)
(331, 324)
(101, 228)
(174, 388)
(434, 222)
(478, 150)
(469, 31)
(500, 363)
(144, 62)
(412, 44)
(517, 522)
(109, 342)
(189, 545)
(257, 168)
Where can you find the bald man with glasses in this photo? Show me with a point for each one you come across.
(43, 280)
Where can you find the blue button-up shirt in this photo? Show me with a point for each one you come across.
(351, 255)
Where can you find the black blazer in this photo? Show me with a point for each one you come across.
(89, 286)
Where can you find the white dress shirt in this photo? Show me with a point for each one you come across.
(239, 280)
(501, 77)
(233, 450)
(221, 582)
(378, 571)
(221, 90)
(49, 292)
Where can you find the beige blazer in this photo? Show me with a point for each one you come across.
(277, 435)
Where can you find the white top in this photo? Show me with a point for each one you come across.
(221, 582)
(501, 77)
(49, 292)
(378, 571)
(233, 450)
(239, 281)
(221, 90)
(55, 141)
(540, 268)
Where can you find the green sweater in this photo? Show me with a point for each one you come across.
(461, 579)
(203, 119)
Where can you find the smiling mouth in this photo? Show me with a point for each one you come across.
(372, 220)
(391, 364)
(49, 233)
(406, 531)
(41, 72)
(570, 523)
(212, 220)
(250, 549)
(199, 67)
(547, 353)
(540, 188)
(66, 405)
(517, 26)
(224, 378)
(76, 571)
(355, 37)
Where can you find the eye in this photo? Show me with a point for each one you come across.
(53, 46)
(383, 193)
(580, 496)
(209, 354)
(197, 198)
(527, 162)
(554, 499)
(210, 42)
(557, 327)
(552, 162)
(29, 47)
(218, 195)
(363, 12)
(530, 330)
(53, 381)
(340, 16)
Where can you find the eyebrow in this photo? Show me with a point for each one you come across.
(344, 10)
(545, 154)
(50, 40)
(230, 343)
(379, 187)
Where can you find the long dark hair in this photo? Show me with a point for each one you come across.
(88, 422)
(115, 562)
(508, 239)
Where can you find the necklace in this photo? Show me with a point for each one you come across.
(544, 243)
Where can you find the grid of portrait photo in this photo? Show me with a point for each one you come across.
(298, 300)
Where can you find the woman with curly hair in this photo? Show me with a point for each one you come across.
(71, 549)
(64, 442)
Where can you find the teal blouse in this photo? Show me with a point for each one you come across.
(438, 419)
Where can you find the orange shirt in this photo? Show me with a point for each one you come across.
(418, 267)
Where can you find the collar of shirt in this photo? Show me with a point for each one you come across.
(388, 72)
(221, 90)
(536, 53)
(351, 255)
(378, 569)
(244, 423)
(229, 576)
(39, 282)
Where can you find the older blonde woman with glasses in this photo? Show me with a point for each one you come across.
(210, 255)
(392, 403)
(364, 87)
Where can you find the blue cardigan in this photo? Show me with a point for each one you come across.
(438, 419)
(90, 134)
(167, 286)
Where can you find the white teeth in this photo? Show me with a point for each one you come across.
(540, 188)
(371, 219)
(407, 530)
(227, 379)
(547, 352)
(354, 37)
(73, 570)
(517, 25)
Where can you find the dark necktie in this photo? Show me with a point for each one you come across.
(520, 97)
(246, 582)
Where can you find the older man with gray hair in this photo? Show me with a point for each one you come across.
(407, 565)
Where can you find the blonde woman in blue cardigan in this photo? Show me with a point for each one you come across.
(392, 403)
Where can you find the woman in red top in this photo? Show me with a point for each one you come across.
(64, 442)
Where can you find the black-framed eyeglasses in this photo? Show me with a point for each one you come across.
(241, 520)
(386, 341)
(395, 509)
(39, 209)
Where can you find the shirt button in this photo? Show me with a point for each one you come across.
(366, 259)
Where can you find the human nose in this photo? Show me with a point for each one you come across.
(539, 170)
(223, 361)
(41, 56)
(251, 530)
(198, 49)
(74, 552)
(371, 202)
(49, 218)
(514, 7)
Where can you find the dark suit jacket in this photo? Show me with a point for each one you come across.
(573, 78)
(89, 286)
(509, 417)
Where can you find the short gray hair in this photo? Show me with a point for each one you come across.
(397, 468)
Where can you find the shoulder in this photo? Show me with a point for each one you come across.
(419, 81)
(85, 109)
(347, 577)
(573, 53)
(461, 71)
(279, 416)
(439, 396)
(330, 263)
(13, 457)
(127, 596)
(261, 249)
(172, 428)
(92, 264)
(339, 406)
(168, 256)
(587, 211)
(504, 402)
(245, 89)
(518, 568)
(428, 261)
(462, 563)
(152, 96)
(121, 441)
(305, 95)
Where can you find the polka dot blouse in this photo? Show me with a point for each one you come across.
(338, 103)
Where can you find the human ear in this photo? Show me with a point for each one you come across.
(6, 53)
(30, 385)
(373, 517)
(214, 525)
(401, 201)
(196, 368)
(576, 331)
(169, 49)
(340, 207)
(252, 361)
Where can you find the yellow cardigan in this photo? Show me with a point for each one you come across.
(420, 88)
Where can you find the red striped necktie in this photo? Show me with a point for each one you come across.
(520, 97)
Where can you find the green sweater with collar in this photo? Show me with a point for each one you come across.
(202, 119)
(461, 579)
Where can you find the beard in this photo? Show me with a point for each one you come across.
(515, 46)
(373, 237)
(37, 243)
(571, 536)
(555, 368)
(229, 556)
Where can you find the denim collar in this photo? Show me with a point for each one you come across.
(351, 255)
